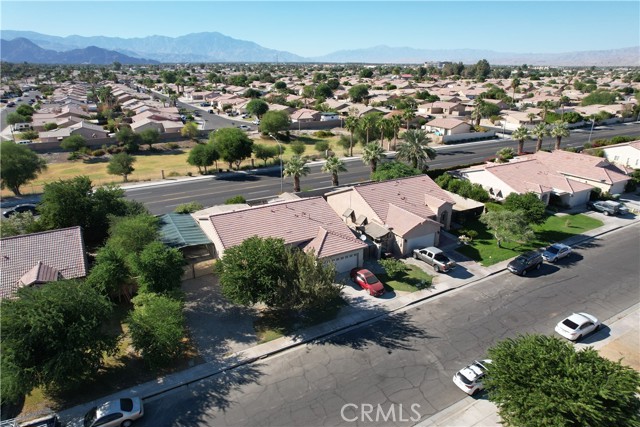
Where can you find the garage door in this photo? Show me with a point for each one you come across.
(346, 262)
(420, 242)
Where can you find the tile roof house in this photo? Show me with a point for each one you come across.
(306, 223)
(447, 126)
(626, 154)
(37, 258)
(443, 107)
(398, 215)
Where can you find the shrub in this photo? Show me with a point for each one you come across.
(74, 156)
(323, 134)
(322, 146)
(188, 207)
(97, 153)
(393, 267)
(173, 173)
(298, 147)
(173, 146)
(235, 200)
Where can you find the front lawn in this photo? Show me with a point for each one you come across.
(412, 280)
(556, 228)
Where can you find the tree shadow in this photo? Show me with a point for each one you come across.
(237, 177)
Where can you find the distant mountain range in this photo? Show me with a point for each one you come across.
(216, 47)
(21, 50)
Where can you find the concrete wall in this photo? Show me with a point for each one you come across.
(329, 124)
(468, 135)
(46, 147)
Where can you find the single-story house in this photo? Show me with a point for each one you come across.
(443, 107)
(38, 258)
(626, 154)
(309, 224)
(397, 215)
(448, 126)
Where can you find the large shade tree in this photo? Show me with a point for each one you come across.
(415, 149)
(507, 226)
(121, 164)
(18, 165)
(233, 145)
(538, 380)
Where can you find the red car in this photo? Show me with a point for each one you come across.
(368, 281)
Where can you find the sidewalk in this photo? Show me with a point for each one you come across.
(623, 342)
(349, 318)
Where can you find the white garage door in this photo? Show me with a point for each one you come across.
(420, 242)
(346, 262)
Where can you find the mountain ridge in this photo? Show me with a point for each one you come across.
(217, 47)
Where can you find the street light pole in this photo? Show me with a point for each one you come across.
(280, 155)
(593, 122)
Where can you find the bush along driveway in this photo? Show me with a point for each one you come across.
(484, 248)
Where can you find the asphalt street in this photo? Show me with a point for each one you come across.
(373, 374)
(164, 199)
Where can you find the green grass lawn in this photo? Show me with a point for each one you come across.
(485, 250)
(272, 324)
(414, 279)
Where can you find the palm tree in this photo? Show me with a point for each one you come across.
(351, 123)
(367, 123)
(520, 135)
(396, 124)
(504, 155)
(540, 131)
(514, 85)
(296, 167)
(334, 165)
(559, 130)
(372, 154)
(415, 148)
(531, 116)
(478, 110)
(384, 126)
(408, 115)
(546, 106)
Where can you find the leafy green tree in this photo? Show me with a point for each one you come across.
(189, 207)
(530, 204)
(540, 380)
(130, 235)
(600, 96)
(415, 149)
(15, 118)
(298, 147)
(372, 154)
(29, 135)
(67, 203)
(19, 224)
(296, 167)
(322, 146)
(73, 143)
(203, 156)
(121, 164)
(323, 91)
(393, 170)
(110, 273)
(18, 165)
(190, 130)
(559, 130)
(265, 152)
(334, 166)
(149, 137)
(53, 336)
(507, 226)
(505, 154)
(257, 107)
(50, 126)
(128, 139)
(233, 145)
(358, 93)
(539, 132)
(158, 268)
(157, 328)
(366, 73)
(25, 110)
(520, 135)
(275, 122)
(310, 283)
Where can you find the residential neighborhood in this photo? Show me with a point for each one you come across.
(318, 243)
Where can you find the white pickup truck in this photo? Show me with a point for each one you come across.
(436, 258)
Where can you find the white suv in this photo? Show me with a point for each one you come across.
(469, 379)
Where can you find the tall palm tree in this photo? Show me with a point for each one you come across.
(384, 126)
(296, 167)
(334, 165)
(540, 131)
(559, 130)
(415, 148)
(478, 110)
(371, 155)
(396, 124)
(520, 135)
(408, 115)
(514, 85)
(546, 106)
(531, 116)
(351, 123)
(367, 124)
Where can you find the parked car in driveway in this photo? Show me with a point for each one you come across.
(25, 207)
(435, 258)
(367, 281)
(526, 262)
(469, 379)
(556, 251)
(577, 326)
(608, 207)
(121, 412)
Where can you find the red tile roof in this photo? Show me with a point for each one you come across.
(581, 165)
(309, 223)
(61, 249)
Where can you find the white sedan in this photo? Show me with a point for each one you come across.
(577, 326)
(121, 413)
(469, 379)
(556, 251)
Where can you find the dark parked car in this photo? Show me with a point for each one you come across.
(608, 207)
(525, 263)
(25, 207)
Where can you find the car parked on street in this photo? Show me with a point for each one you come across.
(50, 420)
(367, 281)
(608, 207)
(435, 258)
(526, 262)
(121, 412)
(469, 379)
(556, 251)
(24, 207)
(577, 326)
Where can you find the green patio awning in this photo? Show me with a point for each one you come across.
(181, 231)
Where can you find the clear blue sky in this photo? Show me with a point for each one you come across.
(310, 28)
